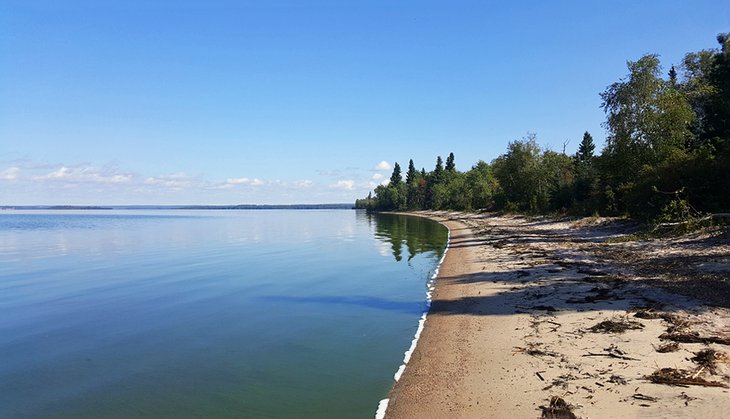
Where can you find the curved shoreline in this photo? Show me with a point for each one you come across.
(509, 328)
(383, 404)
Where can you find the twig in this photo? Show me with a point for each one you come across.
(610, 355)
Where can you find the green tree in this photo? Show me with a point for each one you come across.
(438, 172)
(396, 178)
(556, 172)
(585, 177)
(519, 177)
(481, 183)
(450, 165)
(412, 173)
(673, 77)
(718, 107)
(647, 120)
(585, 149)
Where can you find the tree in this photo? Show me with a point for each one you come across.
(450, 166)
(585, 149)
(673, 77)
(438, 171)
(412, 173)
(481, 183)
(518, 173)
(647, 120)
(396, 178)
(718, 109)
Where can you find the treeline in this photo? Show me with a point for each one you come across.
(667, 155)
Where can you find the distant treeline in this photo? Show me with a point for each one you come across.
(667, 155)
(184, 207)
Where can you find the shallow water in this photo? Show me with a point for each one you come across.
(207, 313)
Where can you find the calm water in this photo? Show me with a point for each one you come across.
(207, 313)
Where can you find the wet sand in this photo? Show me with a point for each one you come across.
(513, 323)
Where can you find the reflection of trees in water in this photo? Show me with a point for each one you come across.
(419, 235)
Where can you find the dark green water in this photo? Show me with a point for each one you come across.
(208, 313)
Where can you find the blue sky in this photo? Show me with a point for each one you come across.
(224, 102)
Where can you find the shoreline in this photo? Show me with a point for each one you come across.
(509, 327)
(430, 286)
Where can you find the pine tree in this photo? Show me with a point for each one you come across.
(450, 166)
(673, 77)
(411, 174)
(585, 149)
(396, 178)
(438, 172)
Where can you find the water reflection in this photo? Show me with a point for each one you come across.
(415, 234)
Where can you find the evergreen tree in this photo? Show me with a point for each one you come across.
(673, 77)
(395, 178)
(411, 174)
(585, 149)
(438, 172)
(450, 166)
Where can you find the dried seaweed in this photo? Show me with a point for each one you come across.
(616, 326)
(681, 378)
(708, 358)
(694, 337)
(650, 314)
(533, 350)
(599, 294)
(558, 409)
(667, 347)
(617, 379)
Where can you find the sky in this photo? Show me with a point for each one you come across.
(237, 102)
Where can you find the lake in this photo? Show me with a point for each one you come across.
(270, 313)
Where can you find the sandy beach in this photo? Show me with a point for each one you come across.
(544, 318)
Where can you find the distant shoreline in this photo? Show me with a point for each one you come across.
(179, 207)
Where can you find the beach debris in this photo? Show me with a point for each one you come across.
(650, 314)
(599, 294)
(534, 350)
(540, 375)
(613, 352)
(639, 396)
(708, 358)
(681, 378)
(617, 379)
(667, 347)
(557, 409)
(616, 325)
(687, 398)
(561, 381)
(694, 337)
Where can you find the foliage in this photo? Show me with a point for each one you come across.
(665, 160)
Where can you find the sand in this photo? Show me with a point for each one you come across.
(511, 318)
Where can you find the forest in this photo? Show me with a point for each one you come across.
(666, 156)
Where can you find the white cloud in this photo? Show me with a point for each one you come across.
(377, 176)
(346, 184)
(245, 181)
(383, 165)
(303, 184)
(10, 173)
(83, 174)
(175, 181)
